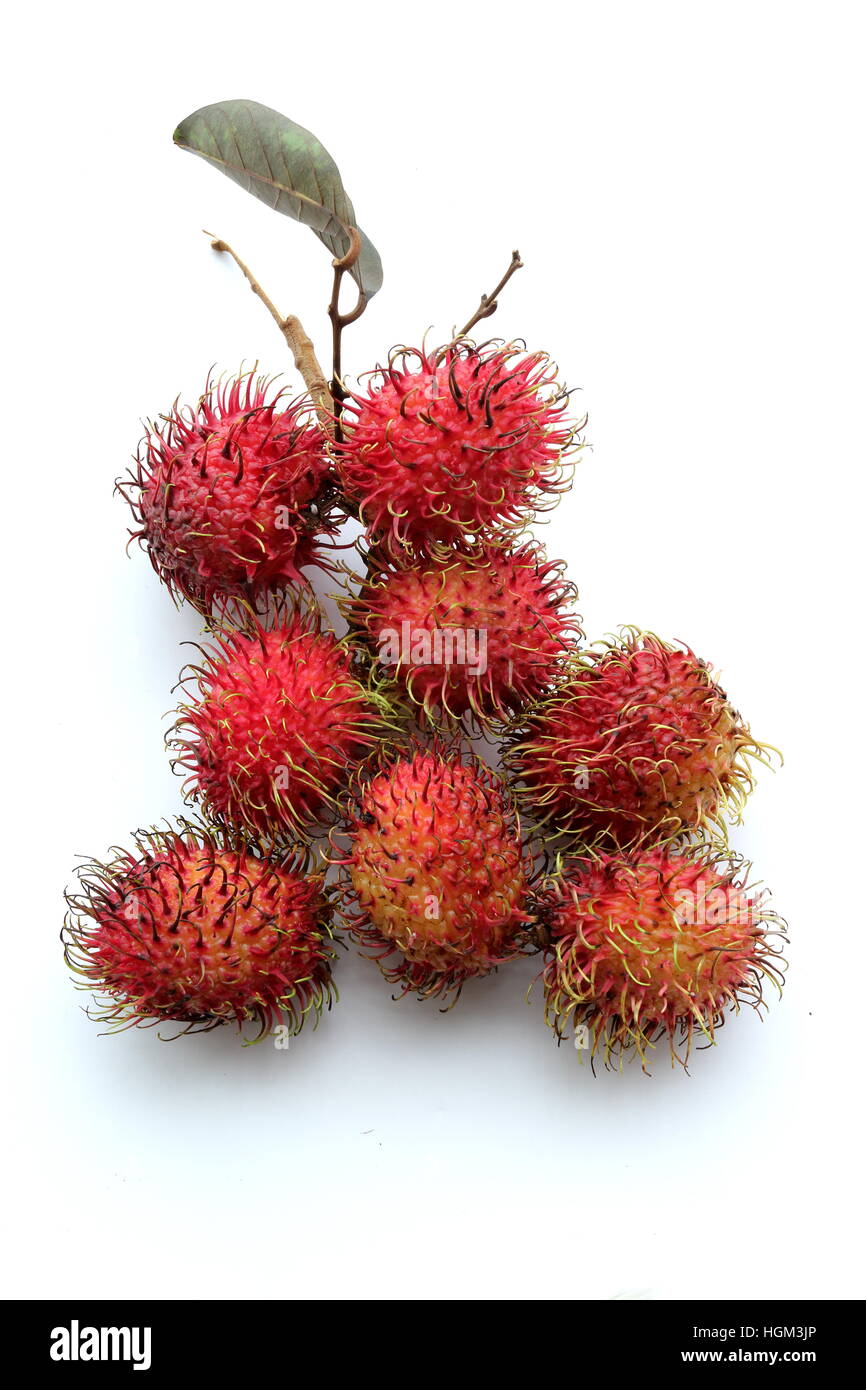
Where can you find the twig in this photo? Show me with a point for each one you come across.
(489, 302)
(339, 322)
(302, 349)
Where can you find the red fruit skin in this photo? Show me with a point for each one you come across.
(512, 604)
(194, 930)
(463, 442)
(637, 741)
(278, 724)
(655, 944)
(436, 876)
(232, 498)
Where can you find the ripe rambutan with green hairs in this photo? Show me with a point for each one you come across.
(436, 875)
(637, 739)
(232, 497)
(478, 632)
(654, 944)
(454, 444)
(278, 722)
(197, 928)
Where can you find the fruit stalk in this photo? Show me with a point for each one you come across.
(300, 346)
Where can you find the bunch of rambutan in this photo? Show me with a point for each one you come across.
(599, 843)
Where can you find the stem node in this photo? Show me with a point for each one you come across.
(490, 302)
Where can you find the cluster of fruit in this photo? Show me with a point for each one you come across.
(304, 750)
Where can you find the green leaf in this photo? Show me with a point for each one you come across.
(286, 167)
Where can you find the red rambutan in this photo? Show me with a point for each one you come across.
(196, 929)
(658, 943)
(482, 631)
(636, 740)
(454, 444)
(232, 497)
(278, 723)
(436, 870)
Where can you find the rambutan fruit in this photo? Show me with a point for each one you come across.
(657, 943)
(436, 875)
(278, 721)
(479, 632)
(636, 740)
(195, 928)
(232, 497)
(454, 444)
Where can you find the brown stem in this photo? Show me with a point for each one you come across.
(302, 349)
(338, 323)
(489, 302)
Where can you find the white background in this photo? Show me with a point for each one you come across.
(685, 183)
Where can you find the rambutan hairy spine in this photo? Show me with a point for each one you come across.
(469, 634)
(656, 943)
(434, 870)
(201, 928)
(232, 497)
(278, 717)
(636, 740)
(466, 442)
